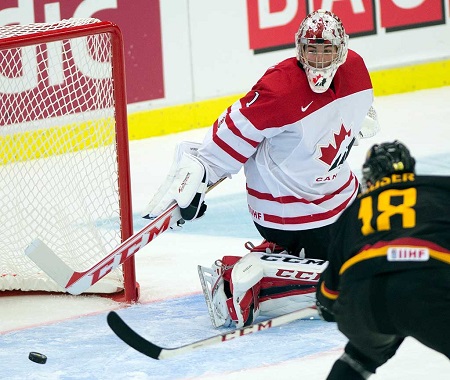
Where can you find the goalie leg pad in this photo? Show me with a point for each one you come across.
(244, 310)
(266, 284)
(278, 297)
(272, 285)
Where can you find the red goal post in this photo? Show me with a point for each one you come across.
(64, 158)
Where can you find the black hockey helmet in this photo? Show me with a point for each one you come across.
(385, 159)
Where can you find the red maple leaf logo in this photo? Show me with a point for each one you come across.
(329, 152)
(317, 78)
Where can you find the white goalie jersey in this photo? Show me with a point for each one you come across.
(293, 144)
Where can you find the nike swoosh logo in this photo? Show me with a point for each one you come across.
(305, 108)
(253, 100)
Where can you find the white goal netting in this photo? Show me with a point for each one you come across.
(59, 177)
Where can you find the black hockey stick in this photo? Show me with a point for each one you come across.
(134, 340)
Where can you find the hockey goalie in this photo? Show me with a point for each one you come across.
(266, 282)
(291, 133)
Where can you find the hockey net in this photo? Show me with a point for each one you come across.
(64, 162)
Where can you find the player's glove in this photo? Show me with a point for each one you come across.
(325, 313)
(185, 184)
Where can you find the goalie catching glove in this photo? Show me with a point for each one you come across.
(185, 184)
(239, 289)
(370, 126)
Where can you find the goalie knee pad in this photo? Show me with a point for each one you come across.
(226, 304)
(244, 309)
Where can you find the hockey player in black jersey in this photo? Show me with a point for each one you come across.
(389, 275)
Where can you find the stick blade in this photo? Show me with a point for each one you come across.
(130, 337)
(49, 262)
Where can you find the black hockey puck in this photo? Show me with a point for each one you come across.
(37, 357)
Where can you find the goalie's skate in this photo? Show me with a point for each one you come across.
(215, 297)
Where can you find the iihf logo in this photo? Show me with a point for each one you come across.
(408, 254)
(393, 254)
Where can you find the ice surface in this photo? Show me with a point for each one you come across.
(73, 333)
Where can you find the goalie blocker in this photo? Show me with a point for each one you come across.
(185, 184)
(239, 289)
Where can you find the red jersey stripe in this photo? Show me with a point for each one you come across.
(229, 150)
(309, 218)
(293, 199)
(232, 127)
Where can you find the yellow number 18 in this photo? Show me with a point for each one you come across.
(386, 210)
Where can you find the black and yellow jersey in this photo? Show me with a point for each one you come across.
(401, 222)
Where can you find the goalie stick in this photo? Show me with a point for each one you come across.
(134, 340)
(78, 282)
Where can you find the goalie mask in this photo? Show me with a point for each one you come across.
(322, 46)
(386, 159)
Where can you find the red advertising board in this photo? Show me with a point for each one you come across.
(272, 24)
(139, 22)
(402, 14)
